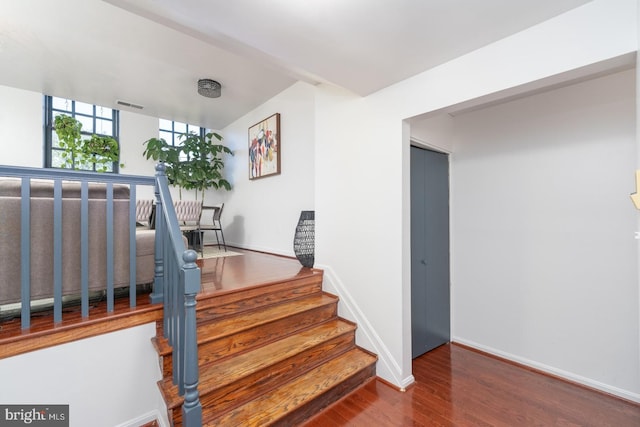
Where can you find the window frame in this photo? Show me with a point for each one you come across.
(48, 120)
(175, 135)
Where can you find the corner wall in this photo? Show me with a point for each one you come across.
(363, 206)
(262, 214)
(544, 261)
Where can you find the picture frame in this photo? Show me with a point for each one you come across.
(264, 148)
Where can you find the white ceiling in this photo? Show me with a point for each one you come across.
(152, 52)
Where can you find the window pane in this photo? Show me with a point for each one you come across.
(104, 112)
(167, 136)
(165, 124)
(61, 104)
(59, 113)
(55, 141)
(87, 123)
(104, 127)
(87, 166)
(83, 108)
(180, 127)
(56, 159)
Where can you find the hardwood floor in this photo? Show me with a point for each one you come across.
(456, 386)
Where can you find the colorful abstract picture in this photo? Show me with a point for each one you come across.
(264, 148)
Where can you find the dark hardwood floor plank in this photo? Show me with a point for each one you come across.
(457, 386)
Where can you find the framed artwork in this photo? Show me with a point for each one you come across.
(264, 148)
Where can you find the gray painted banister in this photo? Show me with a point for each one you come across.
(179, 284)
(176, 276)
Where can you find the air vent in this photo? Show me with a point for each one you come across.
(128, 104)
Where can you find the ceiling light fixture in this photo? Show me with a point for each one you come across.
(209, 88)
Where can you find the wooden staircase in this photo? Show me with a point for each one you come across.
(274, 354)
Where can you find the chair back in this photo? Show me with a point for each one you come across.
(188, 211)
(217, 213)
(144, 207)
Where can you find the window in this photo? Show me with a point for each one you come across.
(171, 132)
(94, 118)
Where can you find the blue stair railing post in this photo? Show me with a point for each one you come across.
(157, 294)
(191, 409)
(178, 282)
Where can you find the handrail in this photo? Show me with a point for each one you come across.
(178, 282)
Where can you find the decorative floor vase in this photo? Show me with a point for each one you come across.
(304, 239)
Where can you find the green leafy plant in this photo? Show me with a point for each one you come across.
(196, 164)
(100, 150)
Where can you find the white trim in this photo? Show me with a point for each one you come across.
(625, 394)
(390, 366)
(417, 142)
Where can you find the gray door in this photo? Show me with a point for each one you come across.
(429, 250)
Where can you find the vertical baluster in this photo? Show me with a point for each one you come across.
(25, 253)
(57, 250)
(175, 319)
(84, 248)
(191, 408)
(109, 203)
(132, 245)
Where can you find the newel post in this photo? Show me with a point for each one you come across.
(191, 409)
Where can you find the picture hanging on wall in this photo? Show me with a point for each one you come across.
(264, 148)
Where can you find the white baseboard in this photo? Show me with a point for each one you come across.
(260, 249)
(588, 382)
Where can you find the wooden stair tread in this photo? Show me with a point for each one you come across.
(228, 326)
(232, 324)
(217, 375)
(235, 302)
(271, 407)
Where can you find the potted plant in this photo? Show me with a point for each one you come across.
(100, 150)
(195, 165)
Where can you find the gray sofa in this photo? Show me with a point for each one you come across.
(42, 239)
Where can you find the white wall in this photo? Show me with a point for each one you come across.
(107, 381)
(262, 214)
(363, 208)
(21, 114)
(544, 260)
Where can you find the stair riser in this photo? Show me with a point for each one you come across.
(272, 376)
(248, 293)
(262, 300)
(257, 336)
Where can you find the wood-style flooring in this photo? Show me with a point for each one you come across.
(454, 385)
(457, 386)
